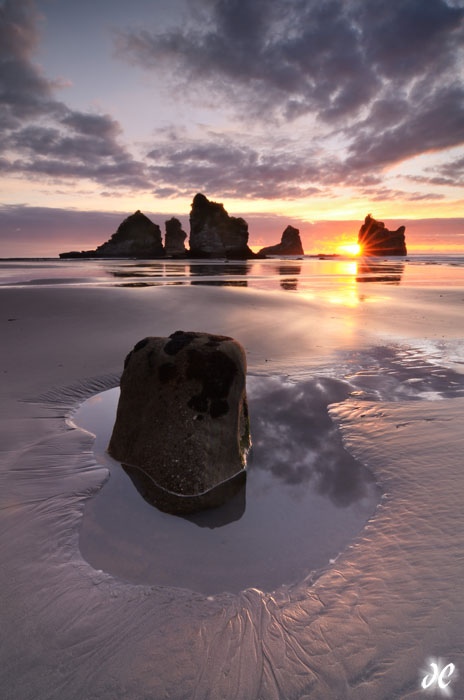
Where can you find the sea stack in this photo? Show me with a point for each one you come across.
(174, 241)
(182, 421)
(136, 237)
(215, 234)
(290, 244)
(375, 239)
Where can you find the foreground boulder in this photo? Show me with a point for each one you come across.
(136, 237)
(174, 240)
(290, 244)
(215, 234)
(375, 239)
(182, 421)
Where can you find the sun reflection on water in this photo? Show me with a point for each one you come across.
(346, 292)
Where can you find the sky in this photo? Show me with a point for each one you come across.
(305, 112)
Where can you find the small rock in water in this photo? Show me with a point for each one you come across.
(290, 244)
(182, 429)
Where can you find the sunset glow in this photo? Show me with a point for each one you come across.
(349, 249)
(82, 148)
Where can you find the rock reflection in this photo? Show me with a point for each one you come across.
(222, 504)
(289, 272)
(134, 273)
(220, 283)
(295, 439)
(387, 272)
(149, 284)
(210, 270)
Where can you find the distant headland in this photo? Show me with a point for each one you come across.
(216, 234)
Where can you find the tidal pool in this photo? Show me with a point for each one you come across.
(305, 498)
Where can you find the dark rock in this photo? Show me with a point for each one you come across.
(182, 419)
(290, 244)
(78, 254)
(193, 507)
(136, 237)
(215, 234)
(174, 241)
(375, 239)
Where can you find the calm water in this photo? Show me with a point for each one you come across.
(304, 499)
(293, 274)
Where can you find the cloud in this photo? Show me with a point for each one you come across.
(381, 194)
(40, 135)
(288, 57)
(385, 76)
(24, 91)
(219, 165)
(435, 123)
(377, 82)
(450, 174)
(330, 56)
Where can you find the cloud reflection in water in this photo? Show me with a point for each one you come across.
(296, 441)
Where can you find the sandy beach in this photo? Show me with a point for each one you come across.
(364, 624)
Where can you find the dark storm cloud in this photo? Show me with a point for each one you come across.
(41, 135)
(387, 73)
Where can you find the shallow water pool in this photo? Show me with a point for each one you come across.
(305, 498)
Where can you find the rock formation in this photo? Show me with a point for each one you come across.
(136, 237)
(174, 241)
(375, 239)
(290, 244)
(182, 420)
(215, 234)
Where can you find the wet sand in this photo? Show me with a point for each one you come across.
(364, 627)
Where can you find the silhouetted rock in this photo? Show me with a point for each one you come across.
(290, 244)
(215, 234)
(174, 241)
(375, 239)
(136, 237)
(182, 419)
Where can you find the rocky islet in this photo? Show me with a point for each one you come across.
(290, 244)
(375, 239)
(215, 234)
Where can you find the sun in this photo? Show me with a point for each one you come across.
(349, 249)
